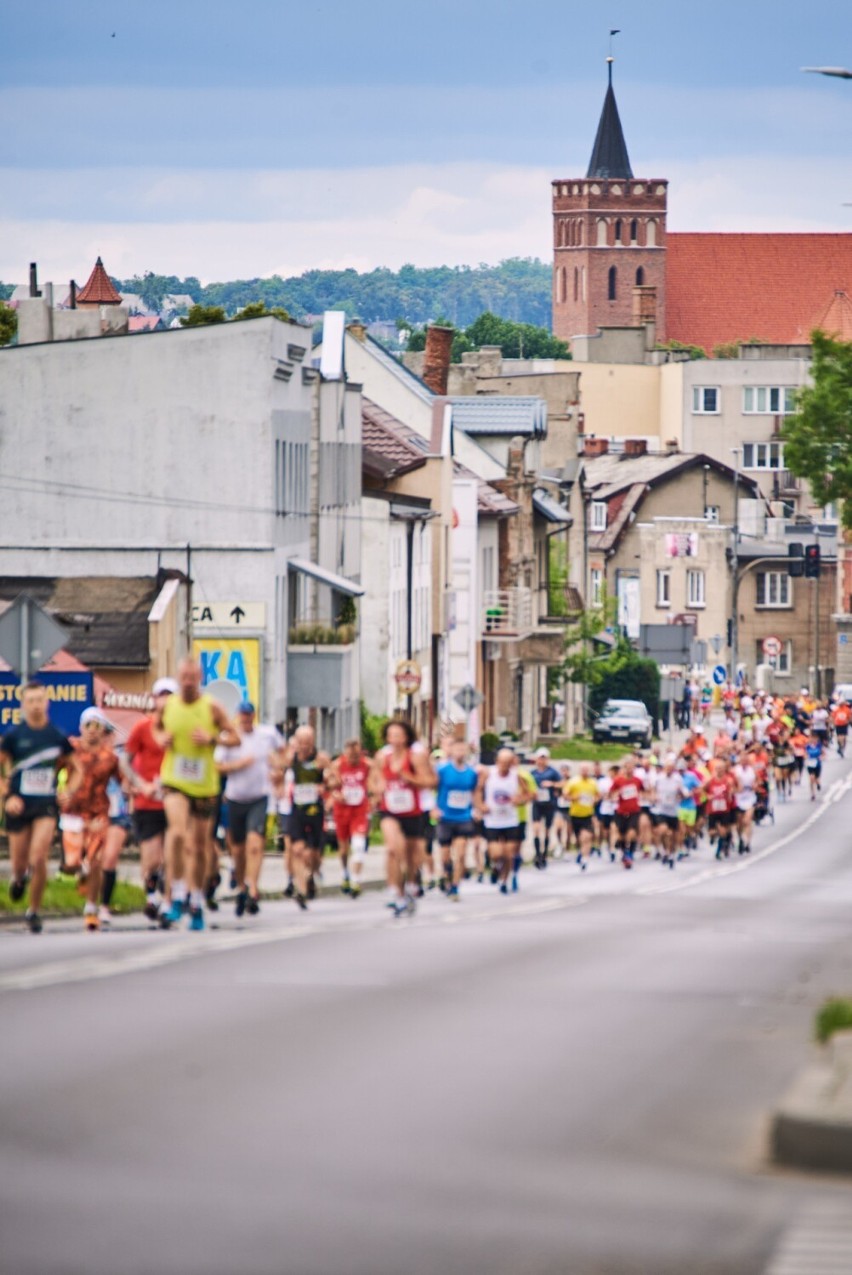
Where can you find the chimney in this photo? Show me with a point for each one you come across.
(34, 292)
(635, 446)
(436, 365)
(72, 295)
(644, 304)
(595, 446)
(358, 328)
(672, 447)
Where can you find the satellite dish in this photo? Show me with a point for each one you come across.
(228, 694)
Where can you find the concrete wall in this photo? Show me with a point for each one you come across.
(795, 623)
(713, 542)
(620, 400)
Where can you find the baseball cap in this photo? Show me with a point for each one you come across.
(94, 715)
(245, 706)
(542, 752)
(164, 686)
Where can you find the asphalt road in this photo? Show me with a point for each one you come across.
(575, 1079)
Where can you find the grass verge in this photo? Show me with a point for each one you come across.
(834, 1016)
(62, 898)
(580, 749)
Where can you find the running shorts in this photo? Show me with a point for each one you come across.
(413, 827)
(666, 821)
(245, 817)
(148, 824)
(511, 835)
(627, 823)
(34, 808)
(449, 830)
(543, 812)
(581, 823)
(351, 821)
(200, 807)
(306, 828)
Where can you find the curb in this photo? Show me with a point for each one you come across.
(812, 1129)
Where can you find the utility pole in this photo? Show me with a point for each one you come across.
(735, 562)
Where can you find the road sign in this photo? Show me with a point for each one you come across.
(720, 675)
(227, 659)
(68, 694)
(408, 677)
(468, 698)
(772, 647)
(29, 636)
(229, 615)
(716, 643)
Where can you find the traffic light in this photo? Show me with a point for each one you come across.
(812, 562)
(730, 633)
(796, 559)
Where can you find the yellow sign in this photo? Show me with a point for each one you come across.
(234, 660)
(408, 677)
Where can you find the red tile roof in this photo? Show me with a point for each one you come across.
(144, 323)
(388, 443)
(836, 318)
(98, 289)
(730, 287)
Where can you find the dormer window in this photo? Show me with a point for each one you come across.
(599, 514)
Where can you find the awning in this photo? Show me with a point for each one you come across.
(550, 508)
(334, 581)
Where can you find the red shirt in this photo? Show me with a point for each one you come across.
(352, 793)
(625, 792)
(146, 758)
(720, 795)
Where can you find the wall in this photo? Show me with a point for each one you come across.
(795, 623)
(714, 540)
(620, 400)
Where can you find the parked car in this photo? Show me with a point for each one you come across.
(843, 690)
(624, 721)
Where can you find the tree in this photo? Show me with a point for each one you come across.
(201, 314)
(818, 437)
(8, 324)
(516, 340)
(601, 658)
(258, 310)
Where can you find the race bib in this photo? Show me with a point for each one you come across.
(353, 795)
(40, 781)
(542, 795)
(190, 770)
(718, 805)
(400, 801)
(306, 794)
(457, 800)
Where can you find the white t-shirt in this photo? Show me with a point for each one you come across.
(668, 792)
(253, 782)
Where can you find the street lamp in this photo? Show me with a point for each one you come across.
(735, 563)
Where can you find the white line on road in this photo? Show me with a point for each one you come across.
(836, 792)
(819, 1243)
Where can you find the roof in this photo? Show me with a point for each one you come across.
(484, 414)
(98, 289)
(390, 447)
(144, 323)
(399, 370)
(549, 507)
(836, 319)
(731, 287)
(106, 616)
(490, 501)
(609, 153)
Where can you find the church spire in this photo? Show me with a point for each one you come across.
(609, 154)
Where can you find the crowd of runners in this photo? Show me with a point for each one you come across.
(187, 772)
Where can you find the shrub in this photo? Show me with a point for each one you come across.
(834, 1016)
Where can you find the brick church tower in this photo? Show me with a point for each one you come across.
(609, 239)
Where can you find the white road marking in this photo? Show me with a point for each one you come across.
(836, 792)
(818, 1243)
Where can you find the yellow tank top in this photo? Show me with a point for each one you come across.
(187, 766)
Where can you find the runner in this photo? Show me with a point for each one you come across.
(401, 770)
(31, 753)
(783, 763)
(347, 781)
(721, 806)
(547, 779)
(606, 811)
(140, 764)
(626, 792)
(813, 763)
(820, 722)
(188, 726)
(248, 784)
(745, 775)
(581, 792)
(502, 790)
(669, 792)
(457, 781)
(799, 744)
(562, 832)
(308, 817)
(691, 783)
(86, 796)
(117, 832)
(841, 717)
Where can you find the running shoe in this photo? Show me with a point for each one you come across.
(290, 890)
(33, 922)
(345, 886)
(196, 918)
(252, 906)
(240, 902)
(301, 901)
(151, 910)
(233, 880)
(514, 885)
(355, 892)
(453, 893)
(105, 917)
(312, 887)
(174, 913)
(91, 921)
(504, 887)
(17, 889)
(480, 877)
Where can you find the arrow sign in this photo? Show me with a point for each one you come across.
(237, 613)
(468, 698)
(29, 636)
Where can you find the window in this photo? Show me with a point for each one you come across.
(596, 585)
(576, 284)
(634, 233)
(763, 455)
(599, 512)
(773, 589)
(664, 588)
(705, 400)
(618, 230)
(612, 285)
(769, 400)
(783, 663)
(602, 229)
(711, 513)
(651, 234)
(640, 277)
(695, 589)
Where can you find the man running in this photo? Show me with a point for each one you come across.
(668, 794)
(31, 753)
(502, 790)
(457, 781)
(547, 780)
(813, 763)
(626, 791)
(307, 821)
(581, 793)
(248, 784)
(347, 782)
(401, 771)
(188, 726)
(86, 795)
(140, 764)
(721, 807)
(841, 717)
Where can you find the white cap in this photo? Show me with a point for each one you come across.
(94, 715)
(165, 686)
(542, 752)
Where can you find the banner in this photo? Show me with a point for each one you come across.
(234, 660)
(68, 693)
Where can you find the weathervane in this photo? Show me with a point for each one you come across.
(613, 32)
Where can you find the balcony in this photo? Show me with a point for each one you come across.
(321, 666)
(786, 483)
(507, 614)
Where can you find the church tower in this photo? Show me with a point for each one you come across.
(609, 240)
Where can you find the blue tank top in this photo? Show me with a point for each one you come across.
(455, 792)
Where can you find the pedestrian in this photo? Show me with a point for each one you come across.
(347, 782)
(401, 771)
(86, 795)
(140, 763)
(457, 781)
(502, 790)
(547, 780)
(307, 821)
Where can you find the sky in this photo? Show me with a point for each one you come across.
(195, 137)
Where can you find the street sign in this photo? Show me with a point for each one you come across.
(235, 660)
(229, 615)
(468, 698)
(408, 677)
(720, 675)
(772, 647)
(68, 694)
(716, 643)
(29, 636)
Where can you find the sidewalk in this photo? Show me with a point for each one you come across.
(812, 1128)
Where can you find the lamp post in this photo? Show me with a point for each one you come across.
(735, 562)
